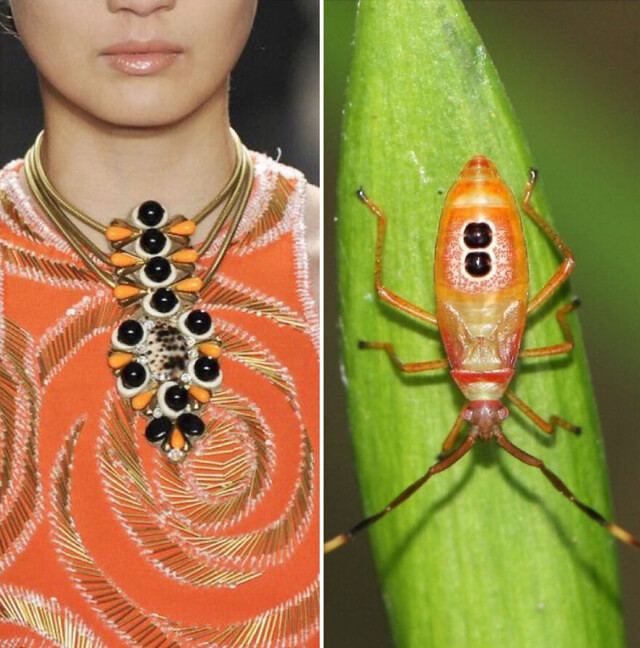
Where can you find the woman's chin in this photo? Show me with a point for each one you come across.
(140, 110)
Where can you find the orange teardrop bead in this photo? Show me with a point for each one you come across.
(117, 233)
(123, 260)
(184, 228)
(188, 255)
(125, 290)
(201, 394)
(177, 439)
(119, 359)
(191, 284)
(141, 400)
(211, 349)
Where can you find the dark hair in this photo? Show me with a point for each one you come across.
(6, 19)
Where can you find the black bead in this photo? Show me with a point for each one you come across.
(190, 424)
(158, 429)
(133, 375)
(176, 398)
(198, 322)
(130, 332)
(150, 213)
(477, 235)
(477, 264)
(153, 241)
(164, 300)
(206, 369)
(157, 269)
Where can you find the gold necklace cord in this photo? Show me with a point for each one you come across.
(246, 174)
(236, 176)
(62, 221)
(243, 190)
(57, 217)
(47, 186)
(237, 191)
(71, 231)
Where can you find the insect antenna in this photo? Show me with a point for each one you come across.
(521, 455)
(438, 467)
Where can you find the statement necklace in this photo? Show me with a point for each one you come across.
(166, 356)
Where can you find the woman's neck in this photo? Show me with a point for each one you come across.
(107, 170)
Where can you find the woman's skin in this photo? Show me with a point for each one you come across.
(113, 138)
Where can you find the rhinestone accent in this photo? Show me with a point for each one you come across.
(175, 455)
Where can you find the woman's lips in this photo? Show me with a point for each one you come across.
(140, 58)
(142, 64)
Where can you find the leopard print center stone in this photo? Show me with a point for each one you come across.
(166, 351)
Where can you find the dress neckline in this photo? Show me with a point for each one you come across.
(37, 227)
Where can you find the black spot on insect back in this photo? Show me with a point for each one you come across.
(477, 235)
(477, 264)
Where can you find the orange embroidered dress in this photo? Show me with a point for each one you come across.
(103, 542)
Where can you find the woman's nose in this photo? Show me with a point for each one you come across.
(140, 7)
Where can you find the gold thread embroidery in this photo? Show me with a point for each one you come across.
(45, 617)
(9, 208)
(276, 541)
(200, 512)
(273, 214)
(115, 607)
(89, 318)
(131, 494)
(178, 547)
(243, 348)
(39, 267)
(289, 624)
(25, 643)
(224, 293)
(20, 492)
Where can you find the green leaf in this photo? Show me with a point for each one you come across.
(487, 553)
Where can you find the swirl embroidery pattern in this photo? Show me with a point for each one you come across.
(102, 541)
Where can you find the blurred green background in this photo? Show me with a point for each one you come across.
(572, 71)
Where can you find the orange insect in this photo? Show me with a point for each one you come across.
(482, 303)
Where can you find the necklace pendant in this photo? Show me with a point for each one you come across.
(166, 357)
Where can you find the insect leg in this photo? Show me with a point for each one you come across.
(406, 367)
(566, 267)
(556, 349)
(383, 292)
(416, 367)
(546, 426)
(521, 455)
(438, 467)
(454, 432)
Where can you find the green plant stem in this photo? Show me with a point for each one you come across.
(488, 553)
